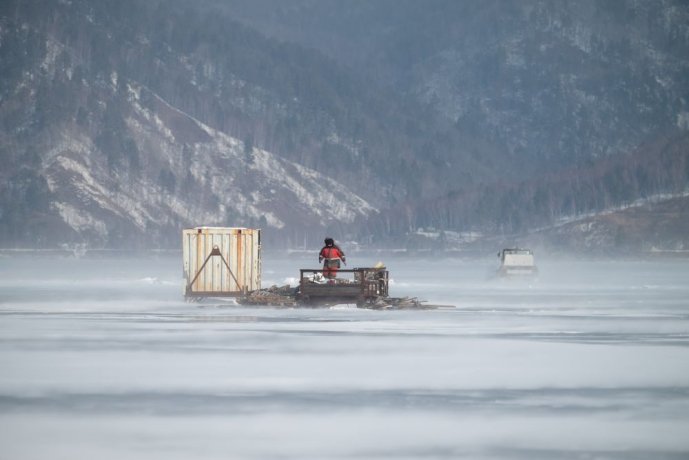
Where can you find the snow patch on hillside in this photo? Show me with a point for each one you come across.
(227, 185)
(657, 198)
(53, 50)
(322, 195)
(75, 177)
(79, 219)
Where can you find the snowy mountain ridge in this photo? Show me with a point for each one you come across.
(122, 122)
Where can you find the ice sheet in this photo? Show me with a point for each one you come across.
(102, 358)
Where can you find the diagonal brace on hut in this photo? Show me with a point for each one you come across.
(214, 252)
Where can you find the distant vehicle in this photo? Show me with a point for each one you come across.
(516, 262)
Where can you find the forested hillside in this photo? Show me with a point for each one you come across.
(554, 83)
(654, 172)
(78, 71)
(122, 122)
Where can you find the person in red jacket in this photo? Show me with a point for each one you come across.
(331, 255)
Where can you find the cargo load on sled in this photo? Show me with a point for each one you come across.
(364, 287)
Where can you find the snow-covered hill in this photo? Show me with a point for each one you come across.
(187, 174)
(122, 122)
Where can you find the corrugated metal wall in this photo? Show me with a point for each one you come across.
(239, 247)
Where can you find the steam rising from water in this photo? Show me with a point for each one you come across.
(103, 359)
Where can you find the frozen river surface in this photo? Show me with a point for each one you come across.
(102, 359)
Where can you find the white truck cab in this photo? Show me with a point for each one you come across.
(516, 262)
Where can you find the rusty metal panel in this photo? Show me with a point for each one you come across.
(221, 261)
